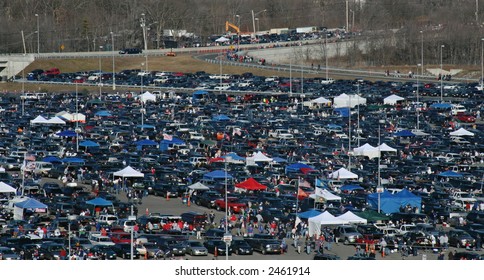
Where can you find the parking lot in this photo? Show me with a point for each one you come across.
(316, 158)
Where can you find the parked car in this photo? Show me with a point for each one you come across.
(195, 248)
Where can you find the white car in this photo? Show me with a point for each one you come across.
(196, 136)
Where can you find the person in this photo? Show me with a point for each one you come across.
(308, 246)
(298, 245)
(478, 242)
(451, 255)
(212, 217)
(441, 256)
(199, 232)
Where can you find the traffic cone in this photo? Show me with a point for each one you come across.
(215, 252)
(188, 202)
(146, 255)
(147, 212)
(167, 197)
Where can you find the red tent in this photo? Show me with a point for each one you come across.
(251, 185)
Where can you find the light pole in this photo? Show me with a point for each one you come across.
(143, 26)
(441, 76)
(421, 52)
(349, 132)
(418, 104)
(254, 19)
(38, 34)
(379, 189)
(482, 65)
(77, 122)
(141, 100)
(100, 72)
(112, 49)
(238, 33)
(227, 159)
(326, 55)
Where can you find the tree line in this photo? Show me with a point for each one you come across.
(395, 32)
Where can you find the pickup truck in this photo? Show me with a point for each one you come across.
(264, 243)
(232, 203)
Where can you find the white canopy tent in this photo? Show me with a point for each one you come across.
(344, 100)
(6, 188)
(392, 99)
(55, 120)
(147, 96)
(461, 132)
(325, 218)
(198, 186)
(385, 148)
(78, 117)
(317, 102)
(351, 218)
(39, 120)
(342, 174)
(367, 150)
(322, 194)
(258, 157)
(65, 115)
(128, 172)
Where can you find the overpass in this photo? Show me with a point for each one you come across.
(11, 65)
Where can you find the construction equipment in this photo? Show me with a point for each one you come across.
(228, 25)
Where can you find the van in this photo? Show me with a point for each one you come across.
(197, 161)
(107, 219)
(42, 168)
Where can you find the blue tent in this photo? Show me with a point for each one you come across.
(451, 174)
(391, 203)
(351, 188)
(217, 174)
(309, 214)
(441, 106)
(234, 156)
(73, 160)
(103, 113)
(296, 167)
(166, 144)
(146, 142)
(99, 201)
(404, 133)
(344, 112)
(88, 144)
(67, 133)
(278, 160)
(52, 160)
(220, 118)
(31, 204)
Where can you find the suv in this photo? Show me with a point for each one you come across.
(107, 219)
(130, 51)
(194, 218)
(348, 234)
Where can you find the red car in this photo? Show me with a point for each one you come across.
(232, 203)
(465, 118)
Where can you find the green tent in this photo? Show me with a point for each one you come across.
(372, 216)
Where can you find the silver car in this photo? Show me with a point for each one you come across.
(195, 248)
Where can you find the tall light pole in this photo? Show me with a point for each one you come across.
(77, 122)
(100, 72)
(418, 104)
(141, 100)
(379, 188)
(441, 76)
(238, 33)
(421, 52)
(227, 159)
(143, 26)
(113, 50)
(326, 54)
(349, 132)
(38, 34)
(253, 21)
(482, 65)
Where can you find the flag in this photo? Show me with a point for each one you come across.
(167, 137)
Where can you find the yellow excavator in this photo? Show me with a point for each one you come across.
(228, 25)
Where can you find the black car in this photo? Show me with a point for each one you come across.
(217, 246)
(214, 233)
(123, 250)
(241, 247)
(103, 252)
(460, 239)
(467, 256)
(207, 199)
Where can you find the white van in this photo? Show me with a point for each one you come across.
(457, 108)
(107, 219)
(42, 168)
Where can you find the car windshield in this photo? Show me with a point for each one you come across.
(196, 244)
